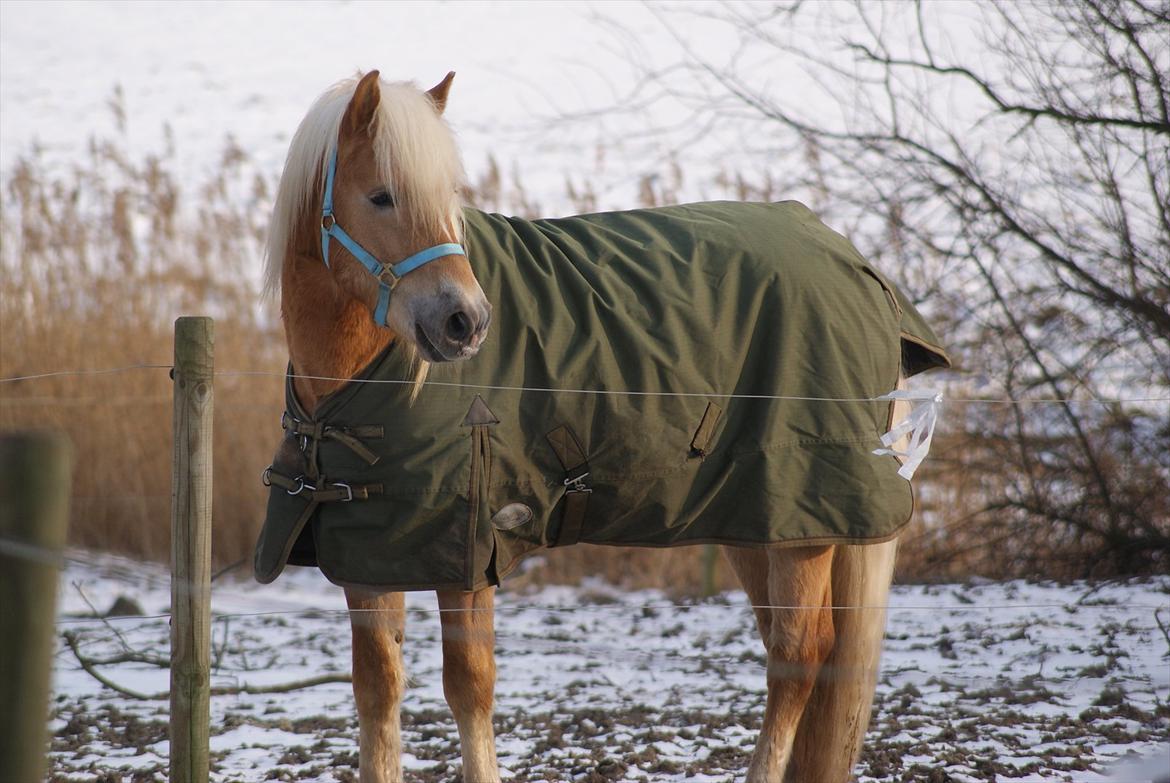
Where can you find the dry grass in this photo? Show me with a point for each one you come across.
(97, 262)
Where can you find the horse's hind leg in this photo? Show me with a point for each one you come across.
(833, 727)
(797, 631)
(751, 567)
(378, 621)
(469, 678)
(832, 730)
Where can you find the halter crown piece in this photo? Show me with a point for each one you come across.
(387, 274)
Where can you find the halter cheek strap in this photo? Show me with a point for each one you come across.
(387, 274)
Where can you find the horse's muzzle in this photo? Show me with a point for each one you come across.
(454, 330)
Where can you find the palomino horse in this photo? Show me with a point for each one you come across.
(391, 170)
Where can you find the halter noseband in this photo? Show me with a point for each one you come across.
(387, 274)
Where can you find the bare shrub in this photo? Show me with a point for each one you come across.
(1008, 164)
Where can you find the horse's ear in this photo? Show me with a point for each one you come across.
(439, 92)
(363, 106)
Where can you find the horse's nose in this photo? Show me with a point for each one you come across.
(460, 327)
(467, 326)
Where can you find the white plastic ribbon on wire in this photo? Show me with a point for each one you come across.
(918, 426)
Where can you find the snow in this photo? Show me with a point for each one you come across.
(1020, 681)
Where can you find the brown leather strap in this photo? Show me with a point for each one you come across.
(329, 492)
(351, 437)
(352, 443)
(344, 493)
(575, 502)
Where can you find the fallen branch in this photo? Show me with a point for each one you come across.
(284, 687)
(121, 639)
(71, 640)
(1163, 627)
(224, 690)
(132, 657)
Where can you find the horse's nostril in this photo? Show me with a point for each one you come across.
(459, 327)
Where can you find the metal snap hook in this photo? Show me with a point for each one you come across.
(577, 483)
(301, 486)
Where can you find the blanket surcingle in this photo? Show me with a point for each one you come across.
(683, 305)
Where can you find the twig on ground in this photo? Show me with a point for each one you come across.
(223, 690)
(132, 657)
(1164, 627)
(1098, 586)
(217, 658)
(129, 654)
(102, 617)
(284, 687)
(71, 640)
(228, 568)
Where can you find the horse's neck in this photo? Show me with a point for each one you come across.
(330, 336)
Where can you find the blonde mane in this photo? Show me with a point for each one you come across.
(413, 147)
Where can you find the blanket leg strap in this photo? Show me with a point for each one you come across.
(576, 499)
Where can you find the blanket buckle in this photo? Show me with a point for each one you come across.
(302, 485)
(577, 483)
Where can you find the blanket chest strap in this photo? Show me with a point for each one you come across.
(323, 491)
(576, 498)
(311, 433)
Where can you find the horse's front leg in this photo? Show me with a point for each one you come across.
(469, 677)
(378, 621)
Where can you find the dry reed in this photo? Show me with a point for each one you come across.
(97, 262)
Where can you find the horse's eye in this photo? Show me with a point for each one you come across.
(381, 198)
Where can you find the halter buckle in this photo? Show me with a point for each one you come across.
(386, 276)
(328, 222)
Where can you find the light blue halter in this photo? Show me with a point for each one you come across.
(387, 274)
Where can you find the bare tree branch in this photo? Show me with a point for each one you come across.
(1023, 187)
(90, 666)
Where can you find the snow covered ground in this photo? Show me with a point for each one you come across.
(980, 682)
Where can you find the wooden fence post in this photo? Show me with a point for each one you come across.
(34, 513)
(191, 550)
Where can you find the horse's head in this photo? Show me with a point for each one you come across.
(379, 215)
(395, 193)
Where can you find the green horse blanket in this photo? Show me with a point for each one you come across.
(627, 395)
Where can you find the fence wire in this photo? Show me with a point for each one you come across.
(22, 549)
(556, 390)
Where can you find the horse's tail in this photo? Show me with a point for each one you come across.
(832, 728)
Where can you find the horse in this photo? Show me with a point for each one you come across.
(369, 201)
